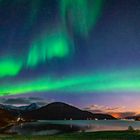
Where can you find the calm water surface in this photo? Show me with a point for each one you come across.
(67, 126)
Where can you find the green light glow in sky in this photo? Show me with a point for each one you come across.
(103, 82)
(58, 42)
(9, 67)
(55, 45)
(35, 7)
(82, 14)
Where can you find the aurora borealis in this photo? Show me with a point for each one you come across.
(82, 15)
(124, 81)
(55, 45)
(9, 67)
(68, 50)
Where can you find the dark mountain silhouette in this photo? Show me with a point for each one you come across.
(137, 117)
(53, 111)
(5, 117)
(61, 111)
(17, 111)
(30, 107)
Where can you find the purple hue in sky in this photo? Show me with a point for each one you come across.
(114, 42)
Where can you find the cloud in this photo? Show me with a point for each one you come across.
(122, 114)
(16, 101)
(100, 108)
(19, 101)
(118, 112)
(34, 98)
(96, 111)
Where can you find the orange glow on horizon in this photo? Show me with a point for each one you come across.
(116, 115)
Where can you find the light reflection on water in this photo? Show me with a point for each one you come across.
(67, 126)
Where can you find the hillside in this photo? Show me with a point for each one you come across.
(61, 111)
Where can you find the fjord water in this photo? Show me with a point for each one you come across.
(67, 126)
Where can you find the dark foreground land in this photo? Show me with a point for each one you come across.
(108, 135)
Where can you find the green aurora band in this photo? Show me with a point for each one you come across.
(104, 82)
(9, 67)
(82, 14)
(35, 6)
(54, 45)
(57, 42)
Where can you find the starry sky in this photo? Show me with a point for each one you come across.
(82, 52)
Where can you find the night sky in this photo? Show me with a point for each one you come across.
(82, 52)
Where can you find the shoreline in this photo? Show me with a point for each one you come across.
(102, 135)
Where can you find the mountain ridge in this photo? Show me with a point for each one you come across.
(62, 111)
